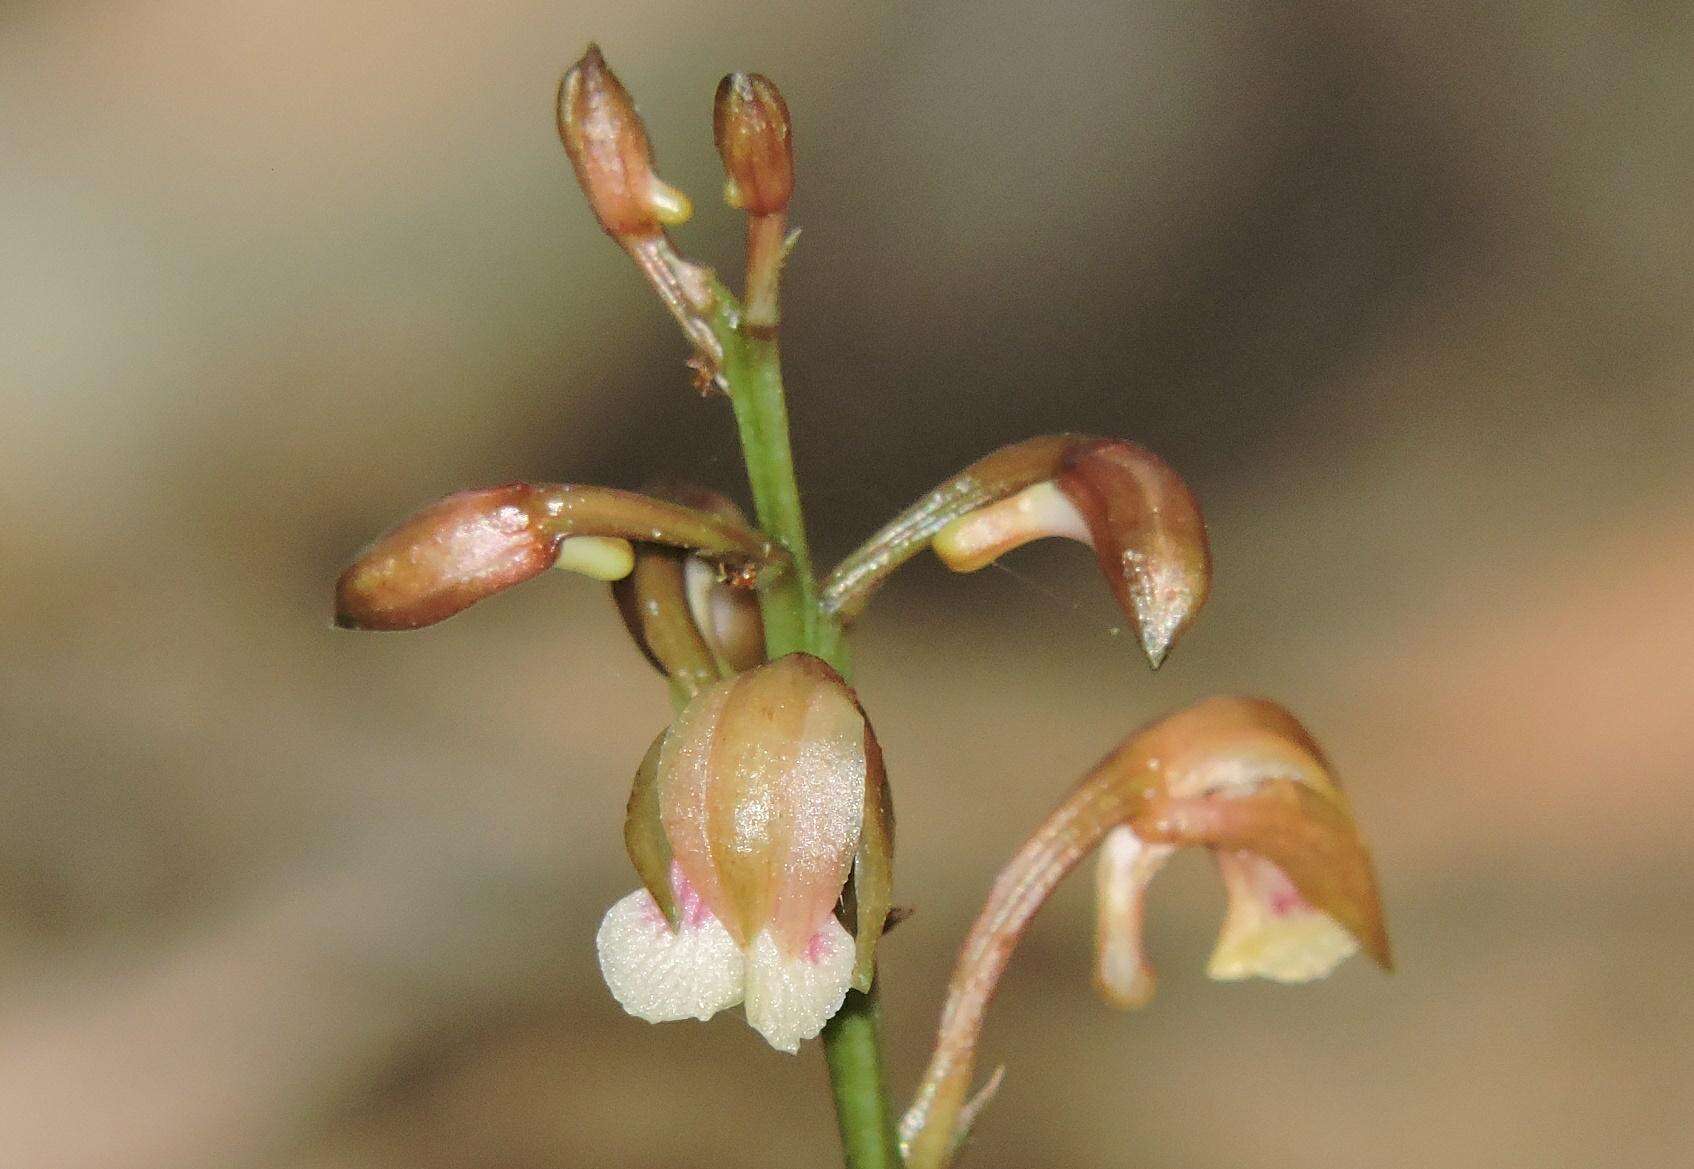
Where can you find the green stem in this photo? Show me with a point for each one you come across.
(852, 1045)
(752, 367)
(752, 373)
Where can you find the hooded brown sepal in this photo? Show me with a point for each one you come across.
(644, 833)
(1120, 499)
(1124, 502)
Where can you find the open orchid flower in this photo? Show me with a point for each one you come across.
(1237, 775)
(695, 622)
(746, 821)
(1120, 499)
(474, 544)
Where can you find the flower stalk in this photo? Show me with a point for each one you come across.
(751, 372)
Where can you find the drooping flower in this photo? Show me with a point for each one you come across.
(745, 823)
(1237, 775)
(1118, 498)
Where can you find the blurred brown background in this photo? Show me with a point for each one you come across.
(1402, 289)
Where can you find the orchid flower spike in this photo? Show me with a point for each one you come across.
(745, 823)
(1120, 499)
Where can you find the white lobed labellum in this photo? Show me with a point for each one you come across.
(660, 974)
(790, 999)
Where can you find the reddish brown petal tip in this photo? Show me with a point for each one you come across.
(444, 559)
(755, 139)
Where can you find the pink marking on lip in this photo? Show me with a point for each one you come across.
(814, 951)
(1282, 897)
(691, 908)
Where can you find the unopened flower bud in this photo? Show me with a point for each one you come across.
(754, 136)
(758, 798)
(474, 544)
(445, 558)
(608, 147)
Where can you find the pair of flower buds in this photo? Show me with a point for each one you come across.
(608, 148)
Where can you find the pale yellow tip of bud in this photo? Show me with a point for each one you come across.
(978, 538)
(606, 558)
(669, 206)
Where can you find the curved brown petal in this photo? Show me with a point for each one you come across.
(644, 833)
(1125, 502)
(1219, 773)
(474, 544)
(694, 622)
(873, 864)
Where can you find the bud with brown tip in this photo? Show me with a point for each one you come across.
(755, 139)
(607, 144)
(445, 558)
